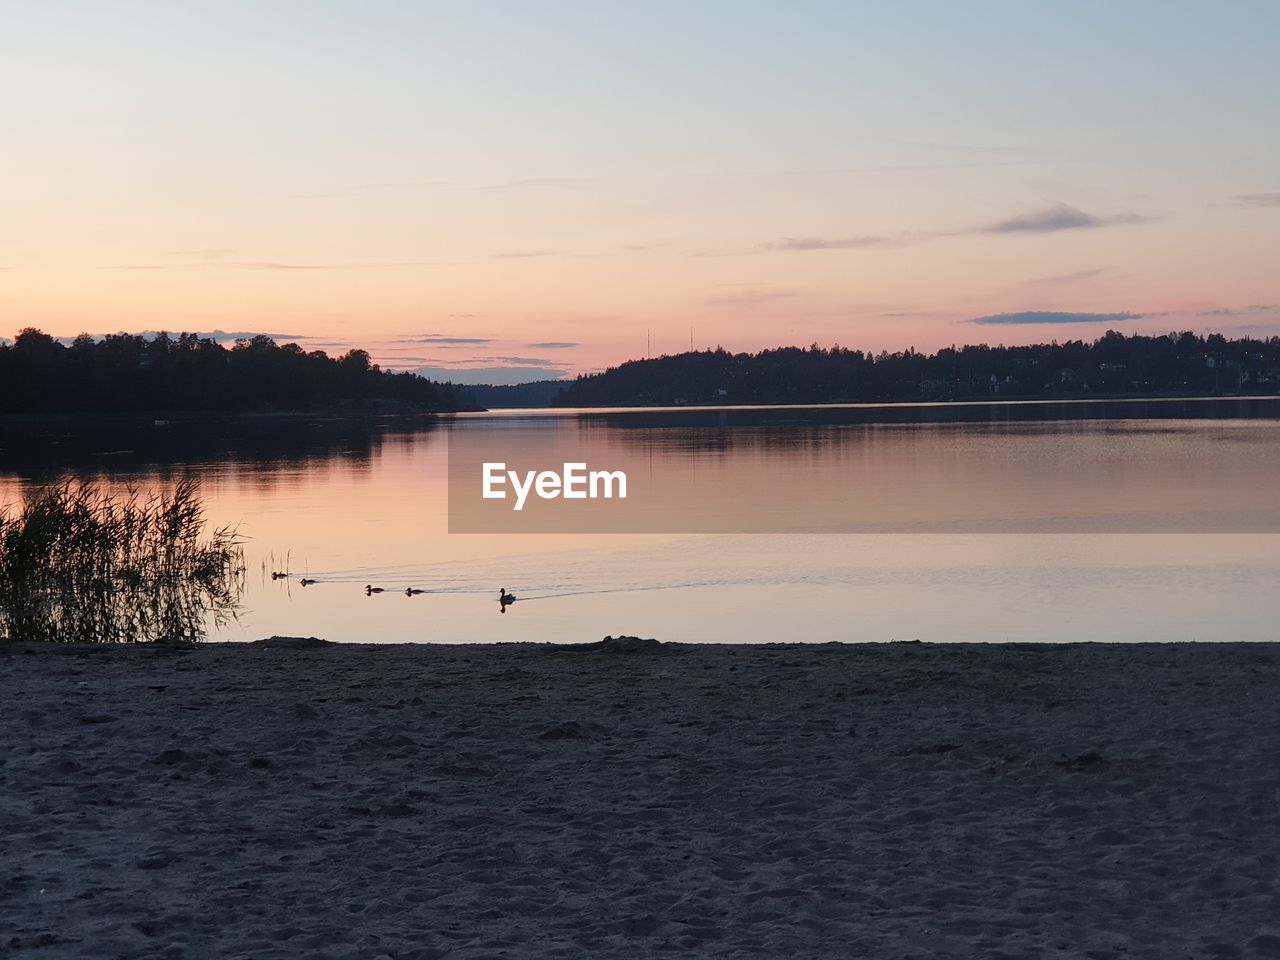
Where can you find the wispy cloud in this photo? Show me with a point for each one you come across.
(1058, 217)
(1053, 316)
(1257, 199)
(278, 265)
(221, 336)
(1239, 311)
(525, 254)
(530, 362)
(204, 253)
(1052, 219)
(545, 363)
(553, 345)
(748, 297)
(1063, 279)
(217, 263)
(826, 243)
(1272, 327)
(916, 314)
(439, 338)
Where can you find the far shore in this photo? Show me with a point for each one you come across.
(634, 799)
(375, 409)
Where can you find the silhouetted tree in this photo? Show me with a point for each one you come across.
(125, 372)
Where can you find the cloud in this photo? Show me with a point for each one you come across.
(748, 297)
(276, 265)
(1063, 278)
(269, 265)
(1052, 316)
(1272, 327)
(825, 243)
(526, 254)
(438, 338)
(552, 345)
(1058, 217)
(1238, 311)
(1053, 219)
(916, 314)
(219, 258)
(1257, 199)
(465, 362)
(204, 253)
(220, 336)
(531, 361)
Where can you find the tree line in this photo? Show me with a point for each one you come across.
(187, 373)
(1175, 364)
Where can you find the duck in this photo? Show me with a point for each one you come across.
(305, 582)
(279, 576)
(371, 590)
(412, 591)
(504, 598)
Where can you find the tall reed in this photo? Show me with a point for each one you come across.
(80, 564)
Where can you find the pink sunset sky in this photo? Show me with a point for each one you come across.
(494, 193)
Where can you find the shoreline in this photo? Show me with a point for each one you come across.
(436, 800)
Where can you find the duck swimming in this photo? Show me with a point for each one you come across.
(371, 590)
(305, 582)
(279, 576)
(412, 591)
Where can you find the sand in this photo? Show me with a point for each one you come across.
(906, 800)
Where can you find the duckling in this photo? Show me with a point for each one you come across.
(368, 590)
(305, 582)
(412, 591)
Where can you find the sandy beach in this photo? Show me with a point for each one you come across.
(903, 800)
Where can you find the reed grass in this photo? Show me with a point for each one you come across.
(81, 564)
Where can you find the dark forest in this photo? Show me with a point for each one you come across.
(185, 373)
(1176, 364)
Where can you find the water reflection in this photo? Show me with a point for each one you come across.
(39, 449)
(354, 503)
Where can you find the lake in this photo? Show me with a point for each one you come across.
(1101, 521)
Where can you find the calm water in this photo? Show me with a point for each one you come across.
(1037, 522)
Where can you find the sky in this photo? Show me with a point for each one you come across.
(498, 192)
